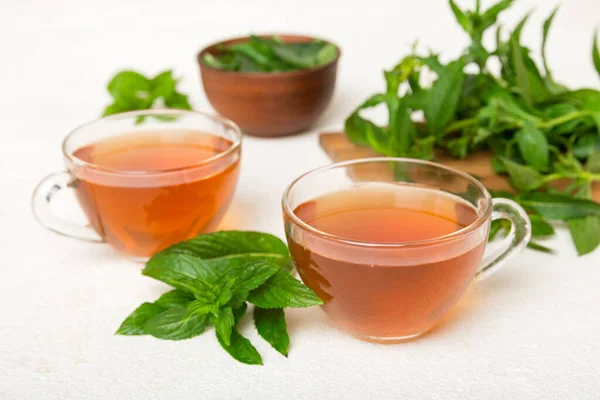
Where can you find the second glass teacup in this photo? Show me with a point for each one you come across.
(391, 244)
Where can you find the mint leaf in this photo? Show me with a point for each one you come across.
(326, 54)
(240, 348)
(461, 17)
(128, 83)
(178, 101)
(117, 107)
(522, 177)
(202, 306)
(444, 97)
(533, 146)
(585, 232)
(175, 298)
(131, 90)
(560, 206)
(540, 227)
(163, 85)
(248, 277)
(224, 324)
(178, 270)
(134, 323)
(250, 245)
(283, 290)
(271, 326)
(539, 247)
(545, 31)
(176, 324)
(358, 129)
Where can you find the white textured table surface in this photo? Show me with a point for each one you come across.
(528, 332)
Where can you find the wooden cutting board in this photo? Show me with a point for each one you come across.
(339, 148)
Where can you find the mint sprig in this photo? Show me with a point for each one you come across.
(214, 276)
(132, 91)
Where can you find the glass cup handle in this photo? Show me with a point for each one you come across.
(516, 239)
(40, 202)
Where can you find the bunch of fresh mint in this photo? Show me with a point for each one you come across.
(132, 91)
(538, 131)
(214, 276)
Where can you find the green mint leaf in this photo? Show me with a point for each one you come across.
(250, 51)
(225, 62)
(539, 247)
(545, 31)
(224, 290)
(117, 107)
(444, 97)
(519, 28)
(204, 305)
(182, 270)
(239, 312)
(283, 290)
(178, 101)
(127, 83)
(240, 348)
(132, 89)
(176, 324)
(596, 52)
(248, 277)
(134, 323)
(540, 227)
(271, 326)
(300, 55)
(559, 206)
(210, 257)
(227, 245)
(175, 298)
(586, 145)
(518, 62)
(522, 177)
(461, 17)
(593, 162)
(432, 62)
(224, 324)
(585, 232)
(490, 16)
(402, 129)
(326, 54)
(562, 110)
(533, 146)
(163, 85)
(356, 127)
(587, 100)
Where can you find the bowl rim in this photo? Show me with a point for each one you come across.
(264, 75)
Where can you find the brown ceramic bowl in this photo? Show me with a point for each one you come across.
(270, 103)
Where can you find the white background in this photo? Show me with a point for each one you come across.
(528, 332)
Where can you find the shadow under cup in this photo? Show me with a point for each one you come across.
(393, 291)
(147, 179)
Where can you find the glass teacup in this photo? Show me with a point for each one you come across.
(391, 244)
(145, 179)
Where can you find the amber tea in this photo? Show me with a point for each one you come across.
(174, 198)
(387, 298)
